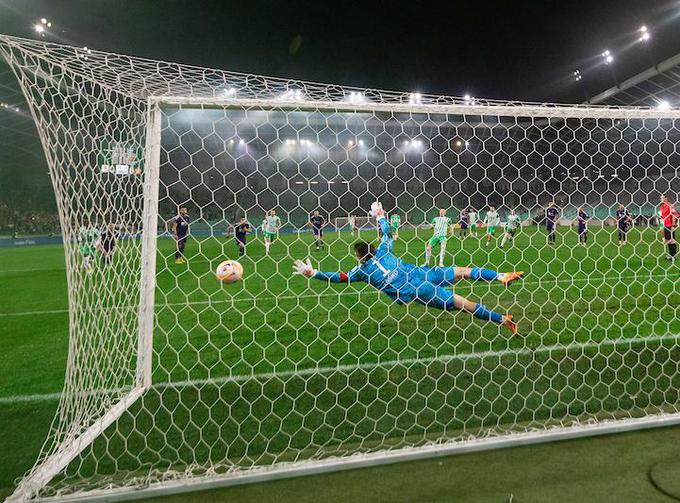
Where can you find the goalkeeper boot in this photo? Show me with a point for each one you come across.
(509, 324)
(509, 277)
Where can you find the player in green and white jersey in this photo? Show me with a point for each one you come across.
(87, 239)
(491, 221)
(270, 229)
(473, 216)
(441, 225)
(395, 223)
(514, 222)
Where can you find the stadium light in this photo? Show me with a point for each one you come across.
(361, 143)
(293, 95)
(415, 98)
(577, 75)
(356, 97)
(241, 142)
(414, 144)
(663, 105)
(230, 92)
(350, 143)
(41, 27)
(607, 56)
(644, 34)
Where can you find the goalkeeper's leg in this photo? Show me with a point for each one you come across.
(432, 295)
(446, 276)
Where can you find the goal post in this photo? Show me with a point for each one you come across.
(149, 246)
(177, 382)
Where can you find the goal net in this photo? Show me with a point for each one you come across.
(176, 380)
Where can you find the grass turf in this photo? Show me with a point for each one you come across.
(404, 374)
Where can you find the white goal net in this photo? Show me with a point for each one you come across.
(175, 379)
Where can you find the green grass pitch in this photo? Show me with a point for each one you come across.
(284, 368)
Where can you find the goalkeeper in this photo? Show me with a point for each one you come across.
(404, 282)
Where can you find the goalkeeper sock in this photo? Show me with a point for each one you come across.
(484, 313)
(441, 256)
(477, 273)
(428, 254)
(672, 249)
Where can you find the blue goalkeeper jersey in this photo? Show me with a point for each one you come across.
(384, 271)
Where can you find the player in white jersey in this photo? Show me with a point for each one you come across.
(514, 222)
(473, 217)
(88, 238)
(491, 221)
(270, 229)
(353, 225)
(440, 234)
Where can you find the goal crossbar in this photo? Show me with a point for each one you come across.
(504, 110)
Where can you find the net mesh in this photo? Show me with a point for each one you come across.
(275, 370)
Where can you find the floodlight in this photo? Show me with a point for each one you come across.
(39, 28)
(663, 105)
(43, 20)
(361, 143)
(644, 34)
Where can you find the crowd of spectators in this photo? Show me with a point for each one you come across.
(17, 223)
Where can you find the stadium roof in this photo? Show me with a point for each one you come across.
(648, 88)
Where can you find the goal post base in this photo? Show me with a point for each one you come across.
(317, 467)
(68, 450)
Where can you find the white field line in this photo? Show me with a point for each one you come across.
(480, 355)
(463, 284)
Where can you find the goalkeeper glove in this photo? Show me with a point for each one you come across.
(304, 269)
(377, 210)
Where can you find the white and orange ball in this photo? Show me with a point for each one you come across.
(229, 271)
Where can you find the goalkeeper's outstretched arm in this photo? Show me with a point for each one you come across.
(385, 229)
(306, 269)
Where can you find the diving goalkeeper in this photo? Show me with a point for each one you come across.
(404, 282)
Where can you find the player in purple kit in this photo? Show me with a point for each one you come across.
(317, 222)
(623, 219)
(582, 226)
(551, 216)
(180, 230)
(464, 222)
(241, 230)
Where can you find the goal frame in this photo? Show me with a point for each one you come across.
(72, 447)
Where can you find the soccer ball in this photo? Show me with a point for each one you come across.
(229, 271)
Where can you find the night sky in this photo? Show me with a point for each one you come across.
(506, 49)
(517, 50)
